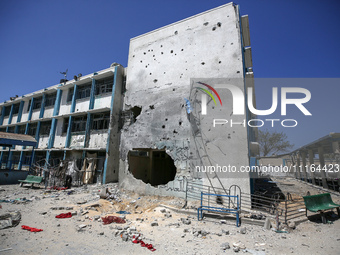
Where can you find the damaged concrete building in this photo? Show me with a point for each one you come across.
(74, 120)
(159, 134)
(168, 137)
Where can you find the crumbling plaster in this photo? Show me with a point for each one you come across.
(160, 66)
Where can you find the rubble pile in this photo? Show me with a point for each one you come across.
(101, 218)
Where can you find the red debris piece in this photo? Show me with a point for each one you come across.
(58, 188)
(110, 219)
(31, 229)
(64, 215)
(149, 246)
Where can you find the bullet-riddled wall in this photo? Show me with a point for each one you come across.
(161, 65)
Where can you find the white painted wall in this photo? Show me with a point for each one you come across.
(98, 139)
(48, 113)
(102, 101)
(43, 142)
(160, 66)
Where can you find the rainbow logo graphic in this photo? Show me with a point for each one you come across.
(204, 96)
(207, 92)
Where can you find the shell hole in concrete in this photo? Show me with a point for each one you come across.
(151, 166)
(136, 110)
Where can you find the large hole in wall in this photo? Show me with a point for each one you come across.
(136, 112)
(151, 166)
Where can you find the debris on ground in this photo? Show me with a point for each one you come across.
(11, 219)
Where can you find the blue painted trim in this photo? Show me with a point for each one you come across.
(42, 108)
(52, 133)
(68, 135)
(54, 121)
(21, 107)
(64, 157)
(2, 116)
(93, 88)
(31, 110)
(32, 157)
(20, 160)
(48, 153)
(73, 108)
(73, 105)
(57, 102)
(11, 115)
(109, 131)
(9, 161)
(37, 134)
(87, 130)
(1, 157)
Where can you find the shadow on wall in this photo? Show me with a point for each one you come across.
(151, 166)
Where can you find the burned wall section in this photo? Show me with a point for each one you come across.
(160, 66)
(112, 152)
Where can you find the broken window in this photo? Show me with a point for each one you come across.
(36, 103)
(2, 129)
(151, 166)
(16, 108)
(101, 121)
(10, 129)
(65, 126)
(50, 99)
(104, 85)
(7, 110)
(79, 124)
(22, 129)
(70, 94)
(83, 91)
(45, 127)
(32, 129)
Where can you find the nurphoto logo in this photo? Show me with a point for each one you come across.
(241, 102)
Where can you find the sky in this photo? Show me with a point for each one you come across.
(289, 39)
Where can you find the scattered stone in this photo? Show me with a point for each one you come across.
(291, 224)
(236, 249)
(225, 246)
(239, 245)
(186, 221)
(163, 210)
(243, 231)
(183, 235)
(74, 213)
(101, 233)
(125, 237)
(154, 224)
(267, 224)
(226, 232)
(223, 221)
(8, 220)
(81, 227)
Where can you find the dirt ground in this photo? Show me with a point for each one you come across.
(168, 230)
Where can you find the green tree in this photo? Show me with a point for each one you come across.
(273, 142)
